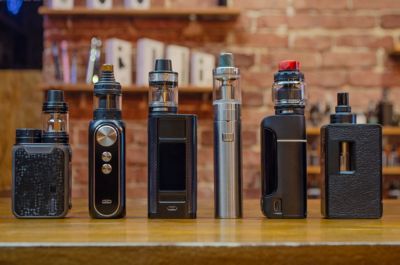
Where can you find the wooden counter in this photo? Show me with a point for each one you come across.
(205, 240)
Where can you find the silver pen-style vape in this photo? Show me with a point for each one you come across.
(227, 139)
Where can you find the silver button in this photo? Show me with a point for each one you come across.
(106, 156)
(106, 135)
(106, 169)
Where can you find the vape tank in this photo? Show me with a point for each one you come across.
(41, 159)
(283, 147)
(351, 163)
(172, 140)
(107, 150)
(227, 139)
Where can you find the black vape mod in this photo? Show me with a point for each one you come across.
(107, 150)
(283, 147)
(351, 163)
(172, 140)
(41, 172)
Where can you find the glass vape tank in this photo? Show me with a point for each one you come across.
(283, 147)
(107, 150)
(227, 139)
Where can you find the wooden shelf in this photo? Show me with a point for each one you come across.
(389, 171)
(81, 87)
(386, 131)
(209, 13)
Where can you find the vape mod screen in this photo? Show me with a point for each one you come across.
(172, 166)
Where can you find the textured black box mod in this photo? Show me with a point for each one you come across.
(41, 185)
(172, 169)
(351, 166)
(357, 193)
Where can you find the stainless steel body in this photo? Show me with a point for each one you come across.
(227, 159)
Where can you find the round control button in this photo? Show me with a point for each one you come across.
(106, 169)
(106, 156)
(106, 136)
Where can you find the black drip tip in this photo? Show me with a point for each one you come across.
(343, 110)
(163, 65)
(55, 102)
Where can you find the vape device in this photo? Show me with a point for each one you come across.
(227, 139)
(172, 150)
(93, 66)
(107, 150)
(41, 160)
(283, 147)
(351, 164)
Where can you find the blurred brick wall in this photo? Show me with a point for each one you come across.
(342, 45)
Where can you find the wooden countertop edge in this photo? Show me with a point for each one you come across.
(189, 244)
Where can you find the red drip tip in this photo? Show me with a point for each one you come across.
(289, 65)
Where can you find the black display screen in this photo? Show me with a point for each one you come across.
(172, 166)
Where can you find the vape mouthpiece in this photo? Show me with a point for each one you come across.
(343, 99)
(163, 65)
(343, 110)
(226, 60)
(55, 102)
(163, 73)
(107, 74)
(289, 65)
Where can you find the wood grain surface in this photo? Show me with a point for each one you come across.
(205, 240)
(20, 106)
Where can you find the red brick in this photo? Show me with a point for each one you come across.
(136, 155)
(271, 21)
(320, 4)
(205, 156)
(251, 177)
(252, 98)
(257, 4)
(243, 60)
(348, 59)
(391, 79)
(136, 174)
(378, 4)
(391, 21)
(365, 41)
(265, 40)
(259, 80)
(306, 21)
(207, 137)
(251, 159)
(365, 79)
(326, 78)
(250, 137)
(313, 43)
